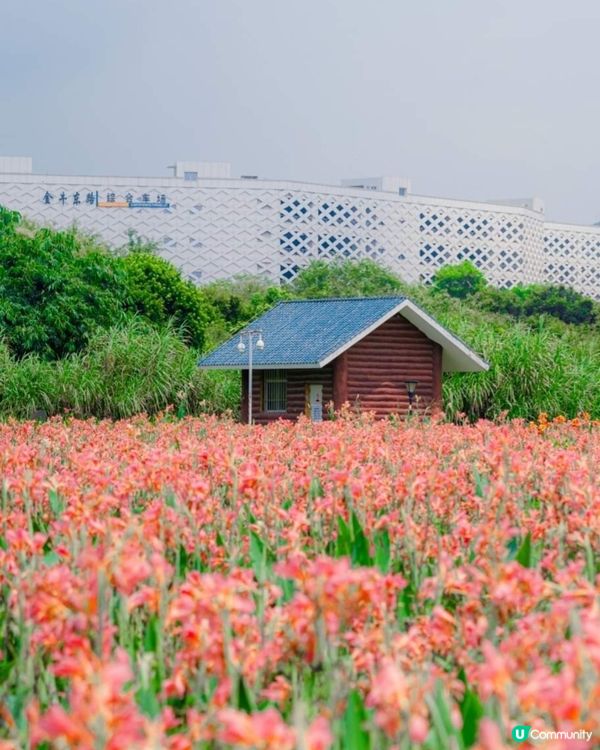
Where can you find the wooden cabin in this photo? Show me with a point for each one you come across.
(383, 354)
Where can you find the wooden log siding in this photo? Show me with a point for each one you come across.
(379, 365)
(296, 393)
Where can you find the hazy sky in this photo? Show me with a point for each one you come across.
(470, 98)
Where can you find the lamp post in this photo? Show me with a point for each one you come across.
(411, 389)
(251, 334)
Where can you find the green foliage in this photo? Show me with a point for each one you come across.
(459, 280)
(138, 244)
(471, 710)
(354, 730)
(526, 301)
(524, 554)
(55, 289)
(131, 368)
(157, 291)
(533, 367)
(363, 278)
(8, 220)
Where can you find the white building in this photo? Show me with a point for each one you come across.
(214, 226)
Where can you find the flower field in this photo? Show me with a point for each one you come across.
(352, 585)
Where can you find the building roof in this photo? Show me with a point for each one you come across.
(303, 334)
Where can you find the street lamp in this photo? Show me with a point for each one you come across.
(411, 389)
(251, 334)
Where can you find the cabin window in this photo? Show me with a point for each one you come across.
(275, 390)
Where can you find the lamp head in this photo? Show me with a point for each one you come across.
(260, 344)
(241, 347)
(411, 386)
(411, 389)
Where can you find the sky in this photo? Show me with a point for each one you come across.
(471, 99)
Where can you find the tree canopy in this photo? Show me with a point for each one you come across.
(57, 288)
(459, 280)
(54, 291)
(157, 291)
(525, 301)
(363, 278)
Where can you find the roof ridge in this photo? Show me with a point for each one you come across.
(343, 299)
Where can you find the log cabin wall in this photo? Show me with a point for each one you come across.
(296, 393)
(377, 367)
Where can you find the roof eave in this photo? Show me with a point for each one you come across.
(274, 366)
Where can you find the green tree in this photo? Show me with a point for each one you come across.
(459, 280)
(363, 278)
(561, 302)
(527, 301)
(157, 291)
(56, 289)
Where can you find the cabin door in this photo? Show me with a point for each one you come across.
(315, 402)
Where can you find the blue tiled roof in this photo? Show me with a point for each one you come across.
(302, 333)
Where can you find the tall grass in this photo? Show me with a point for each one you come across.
(540, 365)
(131, 368)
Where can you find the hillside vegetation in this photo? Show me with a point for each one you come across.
(94, 332)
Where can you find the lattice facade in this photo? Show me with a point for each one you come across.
(216, 228)
(571, 256)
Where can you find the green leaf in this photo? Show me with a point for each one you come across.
(382, 550)
(360, 544)
(355, 734)
(288, 588)
(182, 561)
(481, 483)
(261, 556)
(471, 710)
(512, 547)
(445, 733)
(244, 697)
(5, 670)
(51, 558)
(151, 634)
(591, 568)
(316, 488)
(15, 702)
(343, 545)
(56, 503)
(148, 702)
(524, 555)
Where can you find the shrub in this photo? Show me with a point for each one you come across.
(363, 278)
(55, 290)
(526, 301)
(459, 280)
(157, 291)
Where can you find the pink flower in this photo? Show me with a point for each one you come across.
(261, 731)
(318, 735)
